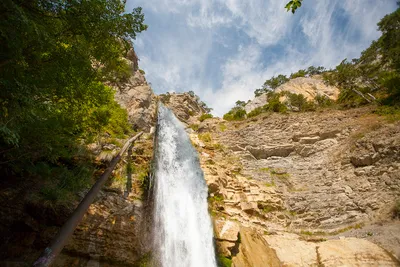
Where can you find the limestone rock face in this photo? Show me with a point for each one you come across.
(139, 100)
(226, 236)
(291, 251)
(108, 232)
(186, 106)
(285, 249)
(257, 102)
(264, 152)
(309, 87)
(254, 251)
(353, 252)
(132, 57)
(316, 174)
(115, 229)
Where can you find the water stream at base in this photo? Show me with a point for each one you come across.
(183, 232)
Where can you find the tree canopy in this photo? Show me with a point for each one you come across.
(55, 56)
(275, 82)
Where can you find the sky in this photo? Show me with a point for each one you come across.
(225, 49)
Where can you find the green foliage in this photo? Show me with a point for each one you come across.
(205, 116)
(240, 103)
(323, 101)
(391, 113)
(376, 72)
(205, 137)
(255, 112)
(237, 112)
(62, 179)
(216, 199)
(306, 233)
(145, 261)
(194, 127)
(275, 82)
(300, 73)
(117, 123)
(224, 261)
(52, 69)
(142, 71)
(274, 104)
(328, 78)
(200, 103)
(271, 184)
(390, 80)
(218, 146)
(165, 98)
(142, 174)
(315, 70)
(222, 127)
(389, 42)
(293, 5)
(116, 71)
(265, 169)
(298, 102)
(205, 107)
(259, 92)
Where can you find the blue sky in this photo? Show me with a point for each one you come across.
(224, 50)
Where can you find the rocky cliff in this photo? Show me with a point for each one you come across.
(296, 189)
(186, 106)
(114, 230)
(293, 186)
(309, 87)
(136, 96)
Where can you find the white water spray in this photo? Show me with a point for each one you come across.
(183, 232)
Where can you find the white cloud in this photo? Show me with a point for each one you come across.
(242, 74)
(258, 18)
(188, 38)
(207, 20)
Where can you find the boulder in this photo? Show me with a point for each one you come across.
(254, 251)
(291, 251)
(226, 230)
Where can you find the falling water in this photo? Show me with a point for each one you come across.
(183, 231)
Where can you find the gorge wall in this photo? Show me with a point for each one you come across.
(296, 189)
(295, 185)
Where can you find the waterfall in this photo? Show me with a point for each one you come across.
(183, 232)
